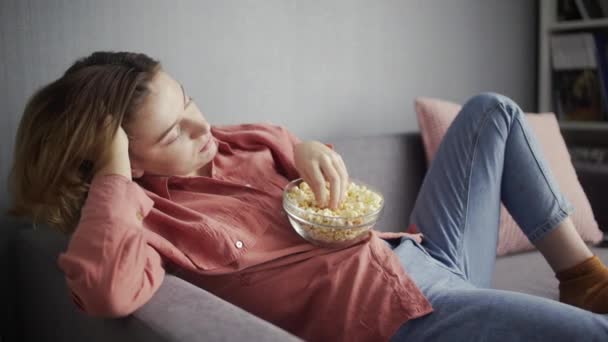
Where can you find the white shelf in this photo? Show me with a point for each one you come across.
(585, 125)
(578, 25)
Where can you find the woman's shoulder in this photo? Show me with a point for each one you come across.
(264, 132)
(248, 127)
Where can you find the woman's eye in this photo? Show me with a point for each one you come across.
(179, 133)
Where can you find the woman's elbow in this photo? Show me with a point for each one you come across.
(106, 306)
(116, 308)
(120, 300)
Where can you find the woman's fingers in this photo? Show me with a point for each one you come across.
(341, 167)
(333, 177)
(318, 165)
(317, 183)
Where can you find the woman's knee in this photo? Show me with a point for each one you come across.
(489, 102)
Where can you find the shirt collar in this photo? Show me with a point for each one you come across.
(160, 184)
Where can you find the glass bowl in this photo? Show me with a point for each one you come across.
(327, 230)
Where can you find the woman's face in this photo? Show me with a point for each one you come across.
(170, 136)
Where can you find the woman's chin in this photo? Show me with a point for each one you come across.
(204, 170)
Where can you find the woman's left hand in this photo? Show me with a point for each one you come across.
(317, 164)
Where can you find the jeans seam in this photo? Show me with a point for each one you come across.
(468, 180)
(418, 245)
(550, 223)
(542, 171)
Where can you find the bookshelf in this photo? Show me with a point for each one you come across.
(549, 25)
(574, 25)
(585, 125)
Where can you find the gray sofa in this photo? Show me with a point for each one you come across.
(37, 307)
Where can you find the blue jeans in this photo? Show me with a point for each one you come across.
(488, 155)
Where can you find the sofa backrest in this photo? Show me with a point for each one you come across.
(9, 229)
(395, 164)
(43, 310)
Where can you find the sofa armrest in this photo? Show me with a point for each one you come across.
(180, 311)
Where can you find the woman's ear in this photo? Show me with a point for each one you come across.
(136, 172)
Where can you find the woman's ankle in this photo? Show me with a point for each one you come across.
(563, 247)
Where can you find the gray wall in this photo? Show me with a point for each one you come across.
(322, 68)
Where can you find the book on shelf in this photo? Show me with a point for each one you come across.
(578, 86)
(581, 9)
(601, 54)
(567, 10)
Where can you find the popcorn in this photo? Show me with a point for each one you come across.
(359, 202)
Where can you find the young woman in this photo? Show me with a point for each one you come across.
(117, 154)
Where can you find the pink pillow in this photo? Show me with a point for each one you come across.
(434, 118)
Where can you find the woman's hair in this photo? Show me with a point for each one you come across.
(62, 139)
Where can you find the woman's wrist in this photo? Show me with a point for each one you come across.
(116, 167)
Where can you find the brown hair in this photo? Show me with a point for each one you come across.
(62, 139)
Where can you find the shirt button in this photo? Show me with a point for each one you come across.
(139, 216)
(239, 244)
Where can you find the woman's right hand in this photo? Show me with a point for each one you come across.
(118, 162)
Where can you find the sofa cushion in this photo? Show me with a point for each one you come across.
(529, 273)
(434, 118)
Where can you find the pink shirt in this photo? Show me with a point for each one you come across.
(228, 234)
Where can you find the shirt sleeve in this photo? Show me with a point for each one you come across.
(282, 143)
(109, 268)
(277, 138)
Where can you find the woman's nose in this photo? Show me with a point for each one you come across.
(200, 128)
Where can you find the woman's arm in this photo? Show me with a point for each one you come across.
(109, 268)
(315, 162)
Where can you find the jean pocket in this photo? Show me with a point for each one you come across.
(432, 260)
